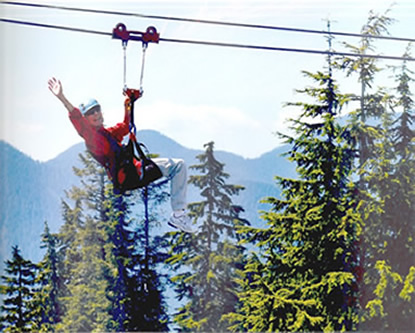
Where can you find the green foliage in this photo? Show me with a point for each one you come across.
(391, 300)
(409, 286)
(18, 290)
(383, 128)
(304, 278)
(83, 239)
(144, 299)
(389, 212)
(47, 306)
(108, 282)
(117, 248)
(208, 263)
(337, 252)
(98, 272)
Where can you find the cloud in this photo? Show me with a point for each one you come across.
(194, 125)
(31, 128)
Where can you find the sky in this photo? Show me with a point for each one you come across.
(193, 94)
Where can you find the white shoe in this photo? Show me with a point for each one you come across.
(181, 221)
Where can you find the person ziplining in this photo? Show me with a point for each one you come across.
(105, 145)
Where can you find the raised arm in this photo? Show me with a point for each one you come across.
(55, 87)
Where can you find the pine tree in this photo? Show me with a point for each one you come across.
(385, 179)
(19, 282)
(402, 248)
(390, 218)
(103, 262)
(68, 248)
(137, 302)
(120, 262)
(208, 262)
(366, 69)
(46, 299)
(150, 308)
(83, 241)
(303, 277)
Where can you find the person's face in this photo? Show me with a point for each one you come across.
(94, 117)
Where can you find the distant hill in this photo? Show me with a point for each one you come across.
(31, 192)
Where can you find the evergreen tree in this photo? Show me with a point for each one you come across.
(106, 287)
(304, 277)
(19, 282)
(68, 242)
(150, 308)
(134, 288)
(385, 174)
(83, 241)
(390, 218)
(369, 102)
(208, 262)
(46, 299)
(120, 262)
(401, 250)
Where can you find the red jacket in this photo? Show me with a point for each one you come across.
(96, 141)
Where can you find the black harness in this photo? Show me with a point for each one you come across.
(123, 172)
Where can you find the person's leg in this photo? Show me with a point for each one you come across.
(176, 171)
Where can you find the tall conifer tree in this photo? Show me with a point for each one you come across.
(151, 252)
(401, 250)
(119, 265)
(46, 301)
(18, 291)
(387, 198)
(390, 217)
(134, 254)
(304, 277)
(209, 261)
(83, 241)
(103, 261)
(369, 101)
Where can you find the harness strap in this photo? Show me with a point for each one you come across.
(116, 148)
(133, 94)
(125, 155)
(138, 146)
(133, 129)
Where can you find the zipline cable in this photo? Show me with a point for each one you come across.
(286, 49)
(43, 25)
(184, 41)
(233, 24)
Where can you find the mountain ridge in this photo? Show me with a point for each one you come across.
(31, 191)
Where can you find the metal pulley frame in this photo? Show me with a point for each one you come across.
(149, 36)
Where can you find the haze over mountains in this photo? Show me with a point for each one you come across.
(31, 192)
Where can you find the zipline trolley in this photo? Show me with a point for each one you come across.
(126, 154)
